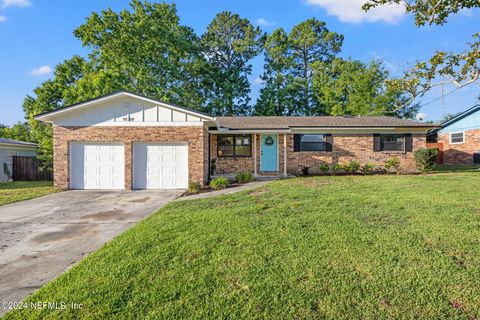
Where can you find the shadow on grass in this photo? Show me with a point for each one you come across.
(24, 184)
(447, 168)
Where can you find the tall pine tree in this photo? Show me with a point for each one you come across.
(229, 44)
(289, 69)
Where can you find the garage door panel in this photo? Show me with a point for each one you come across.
(168, 158)
(97, 165)
(181, 158)
(160, 165)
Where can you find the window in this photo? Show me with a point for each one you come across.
(234, 146)
(393, 142)
(456, 137)
(312, 142)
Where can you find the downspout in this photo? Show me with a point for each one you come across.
(209, 160)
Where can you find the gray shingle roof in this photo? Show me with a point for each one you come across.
(17, 142)
(247, 122)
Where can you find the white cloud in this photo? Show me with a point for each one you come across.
(258, 81)
(3, 19)
(351, 11)
(264, 22)
(40, 71)
(16, 3)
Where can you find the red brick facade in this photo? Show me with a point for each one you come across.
(346, 147)
(460, 153)
(196, 137)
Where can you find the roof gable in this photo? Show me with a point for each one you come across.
(118, 108)
(467, 120)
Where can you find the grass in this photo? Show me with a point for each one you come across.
(24, 190)
(344, 247)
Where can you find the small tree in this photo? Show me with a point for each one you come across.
(425, 159)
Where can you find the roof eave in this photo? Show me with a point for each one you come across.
(32, 146)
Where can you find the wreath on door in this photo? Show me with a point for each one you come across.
(269, 141)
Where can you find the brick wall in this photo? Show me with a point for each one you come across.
(349, 147)
(461, 153)
(346, 147)
(196, 137)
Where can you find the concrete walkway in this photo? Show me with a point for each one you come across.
(43, 237)
(247, 186)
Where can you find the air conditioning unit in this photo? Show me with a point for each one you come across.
(476, 157)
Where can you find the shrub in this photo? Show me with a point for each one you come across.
(368, 168)
(305, 171)
(336, 168)
(194, 187)
(219, 183)
(324, 168)
(393, 165)
(351, 167)
(244, 177)
(425, 159)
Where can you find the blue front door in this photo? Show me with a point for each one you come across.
(269, 152)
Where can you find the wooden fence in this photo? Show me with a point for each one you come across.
(28, 169)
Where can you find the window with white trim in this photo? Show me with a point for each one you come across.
(457, 137)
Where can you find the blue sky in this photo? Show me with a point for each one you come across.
(35, 35)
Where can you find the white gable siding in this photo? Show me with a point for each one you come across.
(126, 111)
(179, 116)
(150, 114)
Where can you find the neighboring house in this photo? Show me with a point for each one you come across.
(10, 148)
(127, 141)
(459, 138)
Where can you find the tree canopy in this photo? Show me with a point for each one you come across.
(457, 68)
(146, 50)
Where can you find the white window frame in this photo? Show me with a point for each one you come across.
(463, 136)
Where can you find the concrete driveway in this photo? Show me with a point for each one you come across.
(43, 237)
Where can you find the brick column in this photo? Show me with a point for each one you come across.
(128, 165)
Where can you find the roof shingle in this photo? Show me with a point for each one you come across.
(272, 122)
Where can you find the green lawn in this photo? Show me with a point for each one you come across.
(345, 247)
(24, 190)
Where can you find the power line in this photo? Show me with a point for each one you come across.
(441, 97)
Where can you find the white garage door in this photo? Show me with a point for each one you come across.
(97, 165)
(160, 165)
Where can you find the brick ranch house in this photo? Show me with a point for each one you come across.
(459, 138)
(127, 141)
